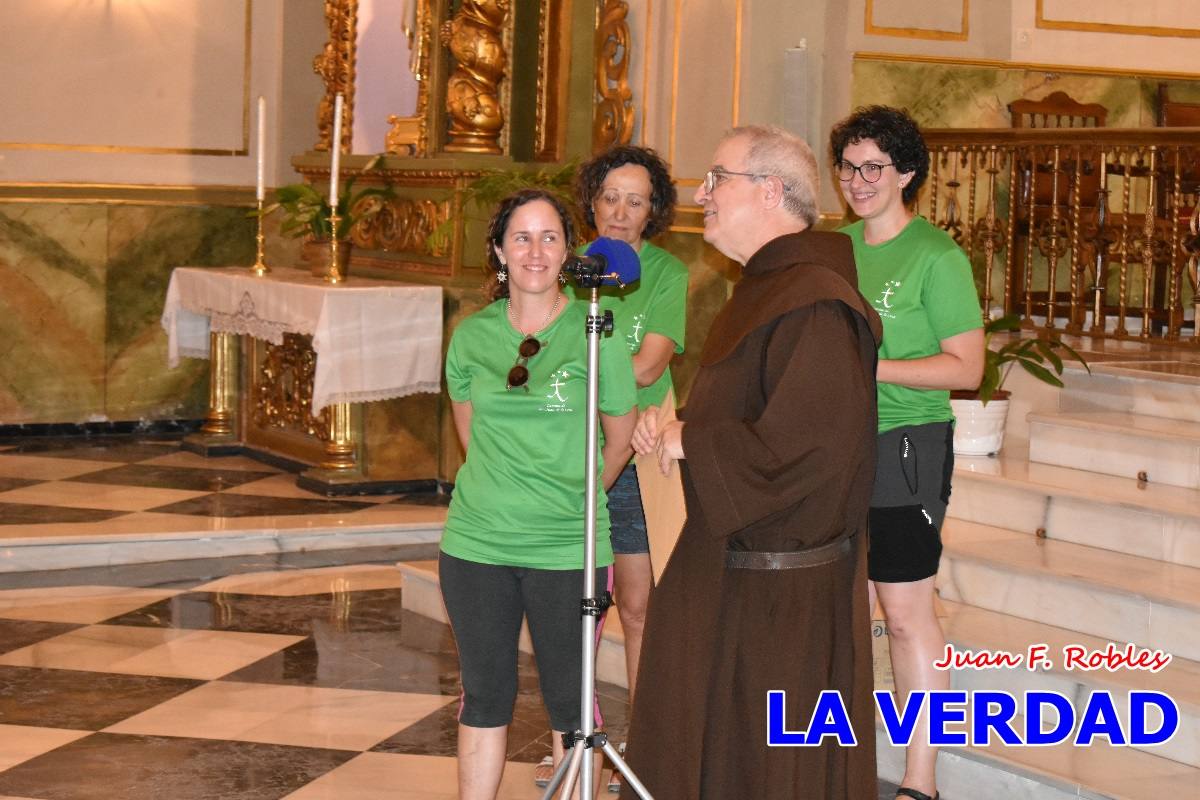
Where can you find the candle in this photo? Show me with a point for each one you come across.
(262, 148)
(335, 147)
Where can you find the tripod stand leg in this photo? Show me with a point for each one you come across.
(567, 772)
(630, 779)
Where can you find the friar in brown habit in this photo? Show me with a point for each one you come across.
(766, 588)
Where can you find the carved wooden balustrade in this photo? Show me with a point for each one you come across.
(1091, 231)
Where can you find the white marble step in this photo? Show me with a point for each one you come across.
(422, 595)
(176, 537)
(1008, 491)
(1117, 597)
(976, 629)
(1166, 388)
(1114, 443)
(1100, 772)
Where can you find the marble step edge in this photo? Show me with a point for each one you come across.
(202, 533)
(1121, 423)
(1130, 370)
(964, 771)
(1053, 480)
(38, 555)
(961, 623)
(1087, 578)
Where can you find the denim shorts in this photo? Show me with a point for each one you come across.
(625, 511)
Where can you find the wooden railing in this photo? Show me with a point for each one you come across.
(1090, 231)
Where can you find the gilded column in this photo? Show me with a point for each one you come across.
(335, 65)
(612, 120)
(220, 430)
(340, 449)
(475, 40)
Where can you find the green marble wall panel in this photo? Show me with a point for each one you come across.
(145, 243)
(52, 275)
(971, 96)
(81, 292)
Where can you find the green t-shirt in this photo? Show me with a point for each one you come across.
(519, 498)
(657, 303)
(920, 284)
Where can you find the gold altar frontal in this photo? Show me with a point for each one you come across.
(260, 402)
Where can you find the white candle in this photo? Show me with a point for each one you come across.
(335, 147)
(260, 189)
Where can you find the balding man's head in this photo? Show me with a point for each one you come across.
(774, 151)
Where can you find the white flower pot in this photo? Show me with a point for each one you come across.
(979, 429)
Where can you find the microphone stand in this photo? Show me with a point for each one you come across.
(579, 743)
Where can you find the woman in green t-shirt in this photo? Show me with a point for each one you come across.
(920, 283)
(512, 547)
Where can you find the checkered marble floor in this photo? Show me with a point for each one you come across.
(297, 683)
(121, 484)
(278, 675)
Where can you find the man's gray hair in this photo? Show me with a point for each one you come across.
(774, 151)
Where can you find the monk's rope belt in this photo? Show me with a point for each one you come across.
(795, 559)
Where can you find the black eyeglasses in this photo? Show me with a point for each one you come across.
(869, 171)
(519, 374)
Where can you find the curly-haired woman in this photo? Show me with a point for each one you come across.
(920, 283)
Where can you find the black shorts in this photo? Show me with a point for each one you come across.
(908, 504)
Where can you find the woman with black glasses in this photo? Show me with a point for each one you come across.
(920, 283)
(512, 546)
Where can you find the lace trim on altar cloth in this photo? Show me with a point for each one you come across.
(371, 396)
(246, 321)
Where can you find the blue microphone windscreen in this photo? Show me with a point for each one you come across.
(622, 259)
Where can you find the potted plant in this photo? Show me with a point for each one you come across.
(980, 414)
(307, 213)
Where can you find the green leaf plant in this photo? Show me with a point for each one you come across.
(483, 194)
(307, 211)
(1041, 358)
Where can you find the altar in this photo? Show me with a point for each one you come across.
(343, 380)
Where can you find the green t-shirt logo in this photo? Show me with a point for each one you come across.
(558, 401)
(883, 306)
(634, 337)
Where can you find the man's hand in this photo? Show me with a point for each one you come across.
(670, 445)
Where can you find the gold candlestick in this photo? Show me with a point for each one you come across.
(334, 275)
(260, 267)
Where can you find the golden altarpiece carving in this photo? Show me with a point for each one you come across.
(501, 85)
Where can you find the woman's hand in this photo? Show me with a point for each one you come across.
(645, 435)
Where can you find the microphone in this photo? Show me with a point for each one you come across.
(608, 262)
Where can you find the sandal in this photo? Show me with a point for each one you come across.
(904, 791)
(544, 771)
(615, 778)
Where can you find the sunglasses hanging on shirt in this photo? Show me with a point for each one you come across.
(519, 374)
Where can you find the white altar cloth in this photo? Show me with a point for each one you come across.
(373, 339)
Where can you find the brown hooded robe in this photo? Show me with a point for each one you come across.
(779, 439)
